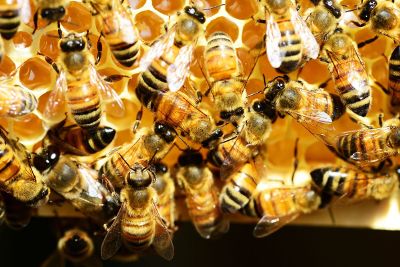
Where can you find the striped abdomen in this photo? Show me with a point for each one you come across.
(83, 99)
(124, 42)
(220, 59)
(290, 46)
(10, 165)
(326, 102)
(16, 102)
(9, 19)
(90, 142)
(394, 78)
(351, 82)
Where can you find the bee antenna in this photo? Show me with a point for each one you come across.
(213, 7)
(127, 164)
(296, 161)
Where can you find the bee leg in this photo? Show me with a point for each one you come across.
(385, 90)
(115, 78)
(364, 122)
(35, 21)
(296, 160)
(380, 119)
(99, 50)
(366, 42)
(50, 61)
(358, 24)
(331, 215)
(59, 31)
(324, 84)
(89, 43)
(138, 120)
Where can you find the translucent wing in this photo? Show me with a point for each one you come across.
(273, 37)
(54, 260)
(157, 49)
(162, 242)
(270, 224)
(113, 239)
(16, 101)
(124, 24)
(93, 191)
(56, 103)
(25, 10)
(310, 45)
(114, 104)
(178, 71)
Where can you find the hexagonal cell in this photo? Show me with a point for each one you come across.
(35, 73)
(168, 7)
(7, 66)
(209, 7)
(149, 25)
(241, 9)
(136, 4)
(77, 18)
(59, 110)
(22, 39)
(315, 72)
(48, 44)
(253, 33)
(127, 120)
(30, 127)
(224, 25)
(372, 50)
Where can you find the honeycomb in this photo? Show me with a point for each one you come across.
(236, 18)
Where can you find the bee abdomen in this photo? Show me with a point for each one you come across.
(9, 164)
(147, 95)
(338, 107)
(125, 53)
(394, 77)
(290, 47)
(9, 23)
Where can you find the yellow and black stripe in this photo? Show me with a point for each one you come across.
(290, 46)
(394, 78)
(10, 19)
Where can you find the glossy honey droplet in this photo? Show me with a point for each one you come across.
(241, 9)
(77, 18)
(29, 127)
(22, 39)
(35, 73)
(48, 44)
(7, 66)
(149, 25)
(168, 7)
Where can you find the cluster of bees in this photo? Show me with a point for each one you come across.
(221, 133)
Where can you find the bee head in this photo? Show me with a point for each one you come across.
(384, 18)
(274, 87)
(394, 138)
(160, 167)
(72, 43)
(265, 108)
(332, 8)
(190, 158)
(139, 177)
(47, 158)
(366, 10)
(52, 14)
(166, 132)
(195, 13)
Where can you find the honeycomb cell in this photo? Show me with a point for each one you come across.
(149, 25)
(29, 127)
(117, 85)
(266, 68)
(123, 137)
(372, 50)
(59, 113)
(22, 39)
(7, 66)
(136, 4)
(132, 83)
(248, 61)
(35, 73)
(168, 7)
(77, 18)
(126, 121)
(315, 72)
(241, 9)
(224, 25)
(253, 34)
(254, 86)
(209, 7)
(48, 44)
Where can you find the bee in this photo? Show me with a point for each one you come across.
(278, 206)
(233, 152)
(165, 187)
(150, 144)
(75, 246)
(202, 202)
(354, 184)
(138, 224)
(394, 78)
(16, 101)
(225, 74)
(77, 141)
(17, 178)
(303, 102)
(323, 19)
(239, 189)
(167, 63)
(119, 32)
(49, 10)
(16, 214)
(12, 12)
(77, 183)
(348, 72)
(80, 86)
(288, 39)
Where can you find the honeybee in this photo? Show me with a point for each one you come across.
(288, 39)
(138, 224)
(75, 246)
(394, 79)
(165, 187)
(119, 32)
(16, 214)
(353, 184)
(278, 206)
(167, 63)
(348, 72)
(49, 10)
(323, 19)
(77, 141)
(77, 183)
(17, 177)
(80, 86)
(16, 101)
(239, 189)
(12, 12)
(225, 74)
(202, 202)
(231, 154)
(150, 145)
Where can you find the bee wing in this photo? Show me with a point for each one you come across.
(310, 45)
(113, 239)
(56, 103)
(54, 260)
(114, 104)
(14, 98)
(25, 9)
(93, 192)
(162, 242)
(273, 37)
(178, 71)
(270, 224)
(157, 49)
